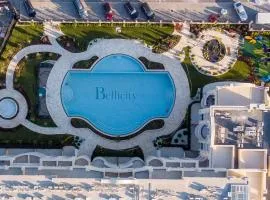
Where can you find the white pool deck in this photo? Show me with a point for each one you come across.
(101, 48)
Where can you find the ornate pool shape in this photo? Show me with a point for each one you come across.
(118, 96)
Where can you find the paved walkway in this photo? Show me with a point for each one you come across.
(101, 48)
(26, 51)
(186, 40)
(53, 31)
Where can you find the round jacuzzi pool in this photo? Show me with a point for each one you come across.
(8, 108)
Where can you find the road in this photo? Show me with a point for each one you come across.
(176, 10)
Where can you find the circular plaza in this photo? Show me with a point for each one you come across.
(215, 52)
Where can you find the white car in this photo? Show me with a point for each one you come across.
(81, 9)
(240, 11)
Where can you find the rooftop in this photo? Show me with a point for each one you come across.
(242, 128)
(240, 95)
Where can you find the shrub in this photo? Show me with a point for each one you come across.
(85, 64)
(166, 44)
(214, 50)
(151, 65)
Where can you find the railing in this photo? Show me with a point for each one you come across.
(123, 22)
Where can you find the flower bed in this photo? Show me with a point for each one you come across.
(241, 29)
(85, 64)
(166, 44)
(69, 44)
(151, 65)
(214, 50)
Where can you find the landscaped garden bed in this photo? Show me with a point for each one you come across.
(22, 137)
(85, 64)
(151, 65)
(214, 50)
(69, 44)
(241, 29)
(104, 152)
(165, 44)
(255, 52)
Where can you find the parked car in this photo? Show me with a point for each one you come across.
(6, 5)
(147, 11)
(240, 11)
(108, 11)
(29, 8)
(81, 9)
(131, 10)
(213, 18)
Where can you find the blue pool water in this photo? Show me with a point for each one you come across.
(118, 63)
(117, 96)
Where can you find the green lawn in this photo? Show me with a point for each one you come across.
(24, 138)
(21, 37)
(239, 72)
(84, 34)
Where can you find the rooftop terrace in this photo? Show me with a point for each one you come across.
(242, 128)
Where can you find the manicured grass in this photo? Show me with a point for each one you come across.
(21, 137)
(21, 37)
(239, 72)
(84, 34)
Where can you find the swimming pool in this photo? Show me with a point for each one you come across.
(8, 108)
(118, 96)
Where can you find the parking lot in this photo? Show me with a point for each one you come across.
(164, 10)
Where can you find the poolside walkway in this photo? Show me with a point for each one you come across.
(103, 48)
